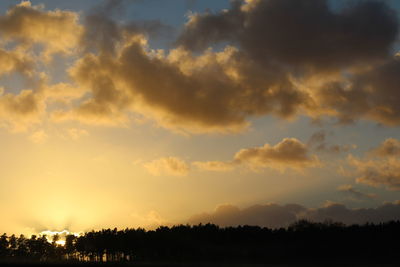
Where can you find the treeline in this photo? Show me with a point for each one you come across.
(302, 241)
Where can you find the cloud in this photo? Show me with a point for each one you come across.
(317, 138)
(218, 166)
(269, 215)
(390, 147)
(15, 61)
(371, 94)
(377, 172)
(30, 35)
(75, 133)
(279, 57)
(335, 148)
(38, 137)
(200, 99)
(312, 44)
(297, 33)
(62, 92)
(354, 193)
(58, 31)
(106, 102)
(209, 92)
(275, 216)
(260, 71)
(318, 142)
(19, 111)
(339, 212)
(167, 166)
(289, 153)
(379, 167)
(101, 33)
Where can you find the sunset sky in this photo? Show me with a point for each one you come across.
(151, 112)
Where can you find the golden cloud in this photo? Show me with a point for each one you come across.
(289, 153)
(18, 112)
(167, 166)
(379, 167)
(219, 91)
(218, 166)
(377, 172)
(193, 88)
(390, 147)
(58, 31)
(22, 28)
(15, 61)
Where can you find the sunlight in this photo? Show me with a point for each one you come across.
(60, 242)
(57, 237)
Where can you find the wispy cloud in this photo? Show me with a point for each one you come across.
(353, 193)
(167, 166)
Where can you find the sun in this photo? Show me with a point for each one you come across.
(60, 242)
(58, 237)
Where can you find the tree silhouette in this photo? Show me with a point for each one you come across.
(302, 241)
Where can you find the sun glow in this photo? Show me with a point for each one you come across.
(58, 237)
(60, 242)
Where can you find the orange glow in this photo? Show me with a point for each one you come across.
(61, 236)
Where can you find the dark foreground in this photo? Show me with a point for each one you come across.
(302, 244)
(204, 264)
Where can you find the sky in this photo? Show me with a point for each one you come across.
(149, 112)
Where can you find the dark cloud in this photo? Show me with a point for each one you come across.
(103, 32)
(299, 33)
(339, 212)
(280, 57)
(286, 58)
(202, 30)
(154, 29)
(314, 45)
(275, 216)
(371, 94)
(318, 142)
(317, 138)
(195, 93)
(382, 94)
(270, 215)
